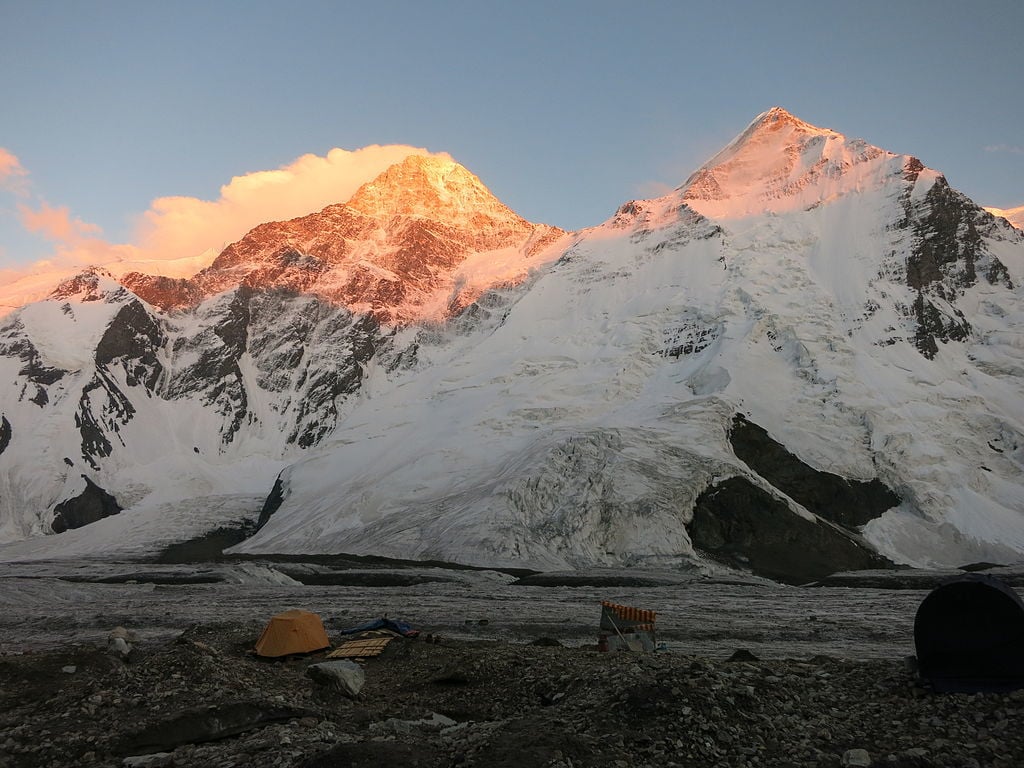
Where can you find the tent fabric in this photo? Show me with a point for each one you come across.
(969, 636)
(294, 631)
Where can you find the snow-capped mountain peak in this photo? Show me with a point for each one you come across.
(806, 356)
(1013, 215)
(430, 186)
(422, 238)
(91, 284)
(780, 163)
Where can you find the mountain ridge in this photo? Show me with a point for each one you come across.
(413, 225)
(1013, 215)
(569, 402)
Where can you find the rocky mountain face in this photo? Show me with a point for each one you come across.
(1013, 215)
(805, 358)
(391, 251)
(148, 382)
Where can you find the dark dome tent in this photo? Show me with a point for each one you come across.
(969, 634)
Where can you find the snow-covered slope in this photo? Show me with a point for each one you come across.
(140, 390)
(808, 354)
(843, 298)
(1013, 215)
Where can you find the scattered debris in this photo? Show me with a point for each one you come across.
(154, 760)
(204, 724)
(379, 753)
(856, 758)
(198, 645)
(434, 722)
(515, 706)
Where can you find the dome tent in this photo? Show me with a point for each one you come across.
(969, 636)
(294, 631)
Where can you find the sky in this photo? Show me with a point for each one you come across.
(154, 131)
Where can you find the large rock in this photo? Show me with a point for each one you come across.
(205, 724)
(850, 503)
(90, 505)
(745, 526)
(344, 676)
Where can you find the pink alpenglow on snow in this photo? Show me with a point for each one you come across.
(1013, 215)
(177, 236)
(781, 164)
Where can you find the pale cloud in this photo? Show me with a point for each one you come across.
(56, 224)
(177, 227)
(12, 174)
(76, 243)
(1009, 148)
(177, 236)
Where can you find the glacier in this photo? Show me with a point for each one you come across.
(543, 399)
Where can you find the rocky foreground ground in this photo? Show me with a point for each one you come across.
(204, 700)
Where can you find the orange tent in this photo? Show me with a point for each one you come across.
(291, 632)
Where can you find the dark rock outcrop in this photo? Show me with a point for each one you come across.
(207, 724)
(133, 337)
(163, 292)
(14, 343)
(850, 503)
(744, 526)
(272, 503)
(947, 256)
(946, 237)
(90, 505)
(209, 547)
(98, 425)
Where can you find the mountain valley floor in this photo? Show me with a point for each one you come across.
(503, 673)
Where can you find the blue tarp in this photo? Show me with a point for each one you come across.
(401, 627)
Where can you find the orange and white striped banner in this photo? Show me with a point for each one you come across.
(628, 613)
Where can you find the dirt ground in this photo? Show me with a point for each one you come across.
(202, 699)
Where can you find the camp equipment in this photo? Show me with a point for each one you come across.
(632, 628)
(969, 635)
(291, 632)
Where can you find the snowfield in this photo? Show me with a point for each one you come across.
(841, 297)
(578, 424)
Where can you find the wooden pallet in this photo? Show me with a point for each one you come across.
(360, 649)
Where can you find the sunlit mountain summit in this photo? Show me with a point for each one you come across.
(806, 358)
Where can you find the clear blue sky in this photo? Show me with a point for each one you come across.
(565, 109)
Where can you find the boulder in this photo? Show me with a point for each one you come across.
(856, 758)
(118, 642)
(343, 675)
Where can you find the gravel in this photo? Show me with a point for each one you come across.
(486, 703)
(750, 673)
